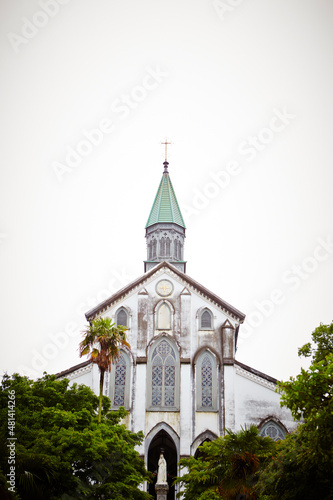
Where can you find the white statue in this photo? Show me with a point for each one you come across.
(162, 471)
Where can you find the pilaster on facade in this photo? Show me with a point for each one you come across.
(139, 401)
(186, 414)
(229, 396)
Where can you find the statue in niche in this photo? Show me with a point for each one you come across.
(162, 470)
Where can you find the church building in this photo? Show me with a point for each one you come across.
(179, 381)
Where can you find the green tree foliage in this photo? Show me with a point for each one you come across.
(322, 338)
(226, 468)
(293, 474)
(102, 342)
(303, 468)
(62, 452)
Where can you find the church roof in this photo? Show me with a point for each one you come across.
(232, 311)
(165, 207)
(257, 373)
(73, 369)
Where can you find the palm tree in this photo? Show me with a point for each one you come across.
(102, 342)
(244, 450)
(227, 467)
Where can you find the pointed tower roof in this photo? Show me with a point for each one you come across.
(165, 207)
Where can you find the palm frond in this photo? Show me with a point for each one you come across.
(102, 342)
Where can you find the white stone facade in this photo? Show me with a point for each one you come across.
(180, 380)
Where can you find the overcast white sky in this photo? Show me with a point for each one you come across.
(243, 89)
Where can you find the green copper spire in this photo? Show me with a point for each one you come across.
(165, 207)
(165, 228)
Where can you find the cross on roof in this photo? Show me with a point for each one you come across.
(166, 148)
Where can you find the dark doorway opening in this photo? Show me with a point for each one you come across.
(200, 453)
(163, 440)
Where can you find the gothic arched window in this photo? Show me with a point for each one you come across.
(206, 320)
(162, 247)
(206, 383)
(154, 245)
(175, 248)
(120, 381)
(273, 430)
(163, 380)
(122, 317)
(167, 247)
(164, 317)
(179, 251)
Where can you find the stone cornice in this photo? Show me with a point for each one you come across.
(255, 376)
(76, 371)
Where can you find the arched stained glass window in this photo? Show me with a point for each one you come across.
(206, 320)
(273, 430)
(122, 317)
(120, 381)
(206, 382)
(164, 376)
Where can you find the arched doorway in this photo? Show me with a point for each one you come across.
(204, 437)
(200, 453)
(163, 440)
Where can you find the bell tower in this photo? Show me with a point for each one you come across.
(165, 228)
